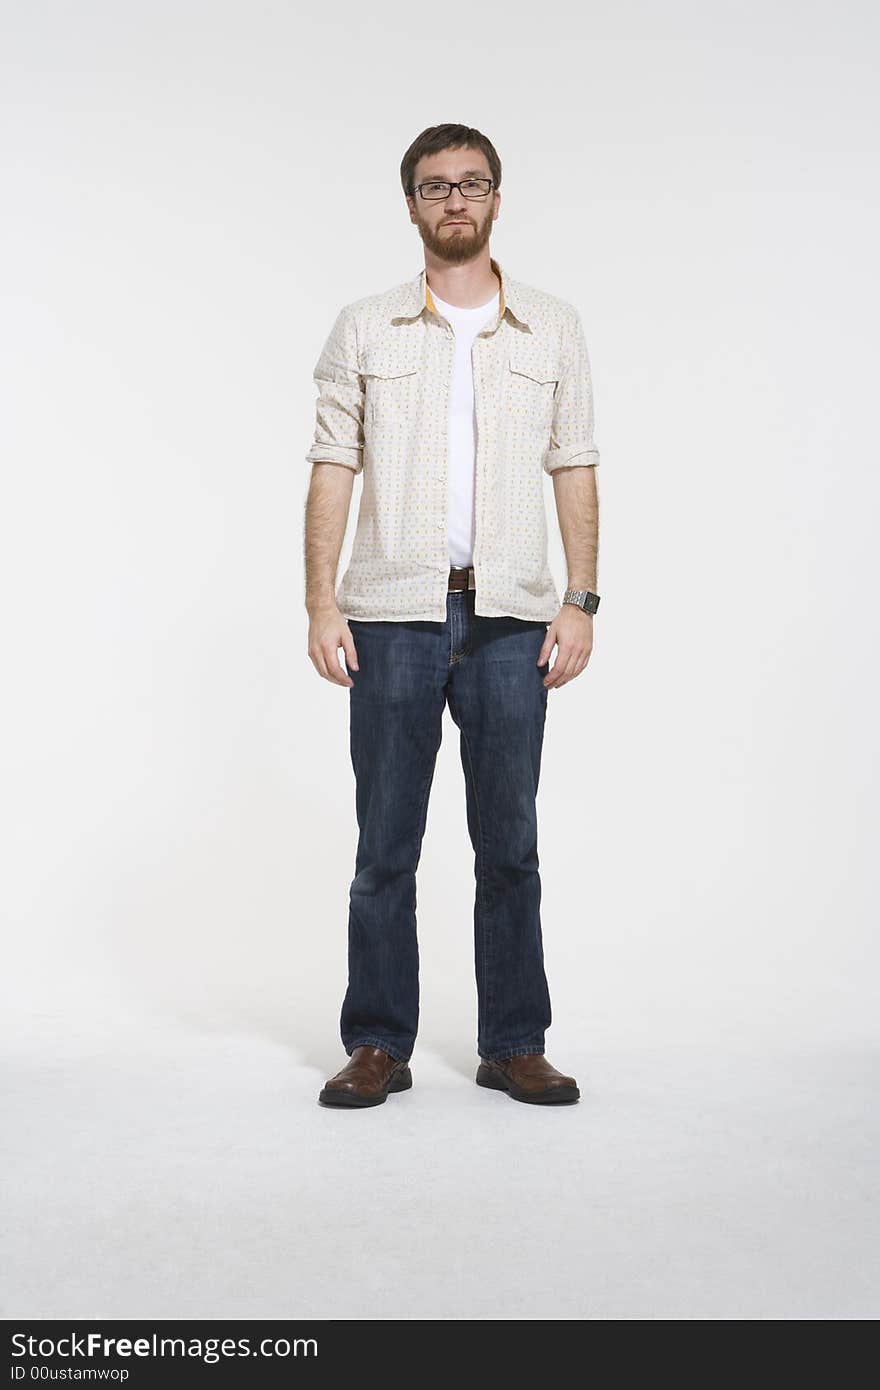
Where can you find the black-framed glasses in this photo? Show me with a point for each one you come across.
(437, 189)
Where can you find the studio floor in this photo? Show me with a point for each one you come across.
(163, 1173)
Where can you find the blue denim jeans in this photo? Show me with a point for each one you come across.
(486, 669)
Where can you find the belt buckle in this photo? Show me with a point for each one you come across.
(458, 569)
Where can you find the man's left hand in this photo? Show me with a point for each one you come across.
(571, 631)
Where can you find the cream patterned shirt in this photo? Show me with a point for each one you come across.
(385, 378)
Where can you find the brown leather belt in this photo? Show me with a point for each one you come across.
(462, 578)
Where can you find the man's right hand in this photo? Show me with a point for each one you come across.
(328, 631)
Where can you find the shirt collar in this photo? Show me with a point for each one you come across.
(416, 297)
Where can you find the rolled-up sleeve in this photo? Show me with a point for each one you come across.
(339, 411)
(571, 435)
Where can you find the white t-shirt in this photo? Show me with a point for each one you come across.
(466, 324)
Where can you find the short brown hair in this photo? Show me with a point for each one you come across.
(447, 137)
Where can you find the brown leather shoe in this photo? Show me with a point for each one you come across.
(529, 1078)
(366, 1079)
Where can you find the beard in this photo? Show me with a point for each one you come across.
(457, 244)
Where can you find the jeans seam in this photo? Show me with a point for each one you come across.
(420, 832)
(484, 933)
(424, 804)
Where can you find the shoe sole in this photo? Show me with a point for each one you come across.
(553, 1095)
(354, 1100)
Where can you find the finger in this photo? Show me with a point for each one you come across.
(547, 646)
(351, 656)
(584, 662)
(558, 672)
(335, 671)
(581, 660)
(317, 660)
(349, 662)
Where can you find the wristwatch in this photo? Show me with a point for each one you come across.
(582, 598)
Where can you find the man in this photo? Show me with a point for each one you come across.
(451, 393)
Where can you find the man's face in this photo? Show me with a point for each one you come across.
(455, 228)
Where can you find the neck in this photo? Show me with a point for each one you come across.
(466, 286)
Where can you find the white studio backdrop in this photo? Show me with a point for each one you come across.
(190, 193)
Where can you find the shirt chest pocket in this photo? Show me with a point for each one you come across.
(391, 384)
(533, 373)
